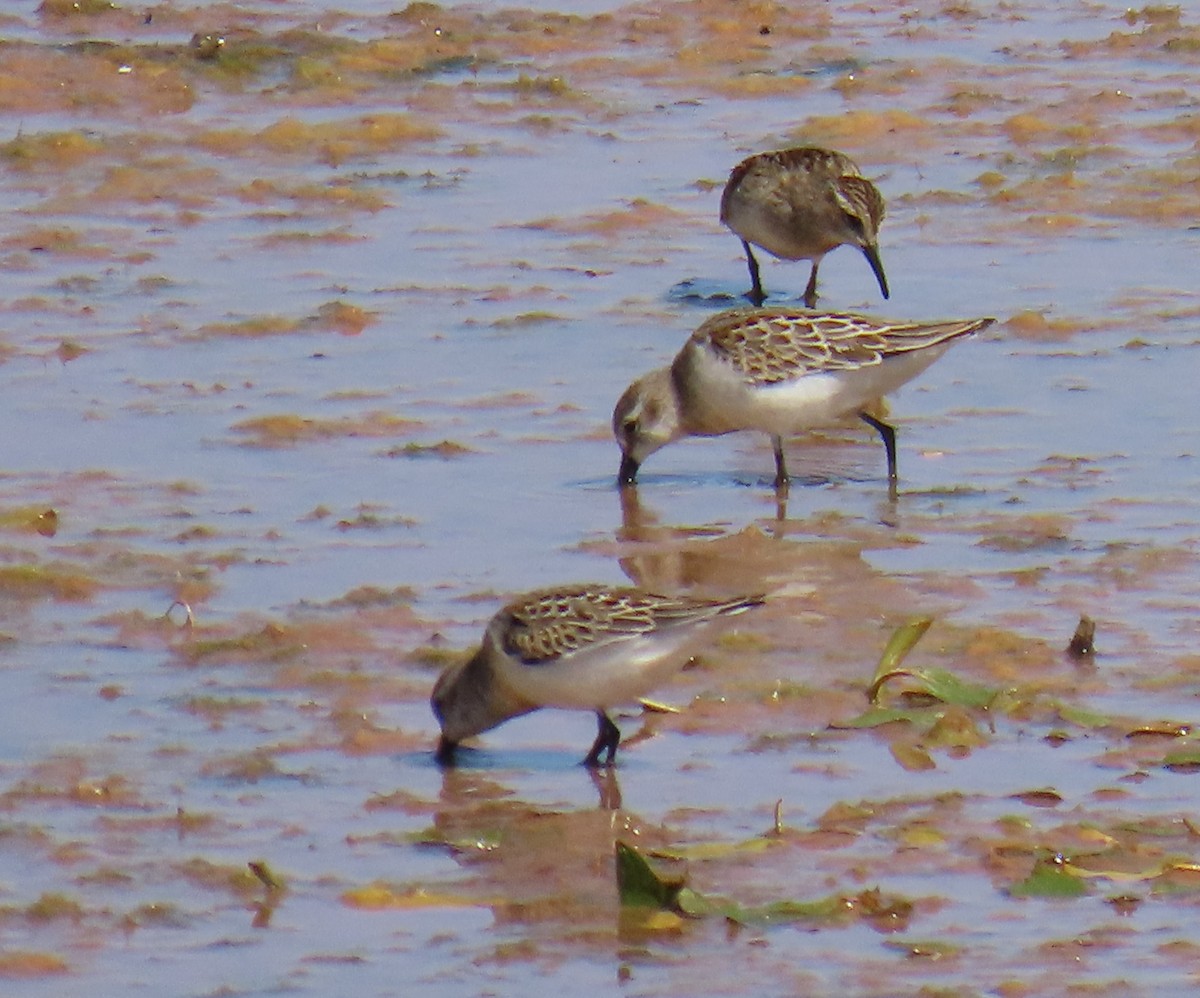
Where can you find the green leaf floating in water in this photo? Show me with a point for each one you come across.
(874, 717)
(836, 909)
(639, 886)
(937, 684)
(932, 684)
(1183, 760)
(1049, 878)
(830, 909)
(902, 641)
(1082, 717)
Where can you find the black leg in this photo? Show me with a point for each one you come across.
(446, 751)
(781, 475)
(810, 292)
(756, 291)
(889, 441)
(608, 737)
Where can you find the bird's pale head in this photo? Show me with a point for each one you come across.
(862, 211)
(461, 703)
(645, 419)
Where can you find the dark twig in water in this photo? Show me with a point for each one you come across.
(265, 875)
(1083, 641)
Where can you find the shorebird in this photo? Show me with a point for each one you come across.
(586, 647)
(798, 204)
(780, 371)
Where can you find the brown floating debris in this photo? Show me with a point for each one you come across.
(46, 523)
(207, 46)
(1044, 797)
(1124, 904)
(265, 875)
(1163, 729)
(1082, 643)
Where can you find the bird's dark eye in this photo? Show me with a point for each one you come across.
(856, 224)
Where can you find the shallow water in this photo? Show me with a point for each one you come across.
(321, 338)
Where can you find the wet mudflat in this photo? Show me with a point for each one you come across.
(311, 323)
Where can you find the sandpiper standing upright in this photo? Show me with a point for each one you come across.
(798, 204)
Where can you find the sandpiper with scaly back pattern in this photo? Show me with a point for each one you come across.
(780, 371)
(586, 647)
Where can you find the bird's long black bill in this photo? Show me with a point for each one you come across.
(627, 474)
(872, 255)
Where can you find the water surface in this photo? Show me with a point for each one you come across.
(321, 336)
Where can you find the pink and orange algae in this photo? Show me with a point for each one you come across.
(290, 429)
(23, 964)
(333, 142)
(36, 79)
(807, 662)
(335, 316)
(338, 195)
(67, 780)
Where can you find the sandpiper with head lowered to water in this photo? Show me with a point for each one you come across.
(586, 647)
(779, 371)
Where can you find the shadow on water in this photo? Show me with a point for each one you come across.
(714, 294)
(490, 759)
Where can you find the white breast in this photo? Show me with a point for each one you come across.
(717, 399)
(613, 673)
